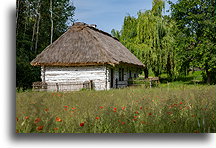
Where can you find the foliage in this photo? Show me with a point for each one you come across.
(33, 33)
(150, 38)
(196, 37)
(185, 109)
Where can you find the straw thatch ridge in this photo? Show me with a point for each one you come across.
(83, 45)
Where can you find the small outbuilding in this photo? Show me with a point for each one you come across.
(86, 54)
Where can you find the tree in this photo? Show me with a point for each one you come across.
(150, 38)
(196, 21)
(38, 22)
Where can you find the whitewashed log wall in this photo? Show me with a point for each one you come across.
(74, 75)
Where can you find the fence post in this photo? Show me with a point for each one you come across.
(116, 83)
(150, 83)
(91, 84)
(57, 86)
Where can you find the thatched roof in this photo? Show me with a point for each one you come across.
(83, 45)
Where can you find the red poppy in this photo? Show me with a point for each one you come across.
(135, 116)
(82, 124)
(58, 119)
(46, 109)
(150, 114)
(169, 113)
(40, 128)
(114, 108)
(37, 120)
(123, 123)
(56, 128)
(101, 107)
(73, 108)
(65, 109)
(97, 118)
(66, 106)
(134, 119)
(140, 107)
(180, 103)
(123, 108)
(136, 112)
(27, 117)
(143, 122)
(17, 119)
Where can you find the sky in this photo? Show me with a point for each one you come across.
(109, 14)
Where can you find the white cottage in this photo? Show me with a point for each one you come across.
(86, 54)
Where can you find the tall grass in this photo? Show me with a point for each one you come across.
(131, 110)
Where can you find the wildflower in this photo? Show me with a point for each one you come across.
(59, 95)
(123, 108)
(46, 109)
(65, 109)
(101, 107)
(135, 116)
(169, 113)
(149, 114)
(180, 103)
(143, 122)
(73, 108)
(114, 108)
(40, 128)
(82, 124)
(58, 119)
(140, 107)
(123, 123)
(97, 118)
(56, 128)
(27, 117)
(37, 120)
(66, 106)
(134, 119)
(17, 119)
(136, 112)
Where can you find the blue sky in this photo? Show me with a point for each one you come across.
(109, 14)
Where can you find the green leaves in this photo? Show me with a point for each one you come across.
(195, 19)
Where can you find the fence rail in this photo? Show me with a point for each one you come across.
(42, 86)
(151, 81)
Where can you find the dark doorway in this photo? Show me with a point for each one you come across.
(111, 79)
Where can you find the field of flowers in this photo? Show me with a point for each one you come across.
(189, 109)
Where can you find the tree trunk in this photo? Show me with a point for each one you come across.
(38, 23)
(51, 19)
(33, 35)
(146, 72)
(208, 74)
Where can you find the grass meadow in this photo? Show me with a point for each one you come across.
(166, 109)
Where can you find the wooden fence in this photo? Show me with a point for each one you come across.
(149, 82)
(42, 86)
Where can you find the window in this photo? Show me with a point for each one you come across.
(121, 74)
